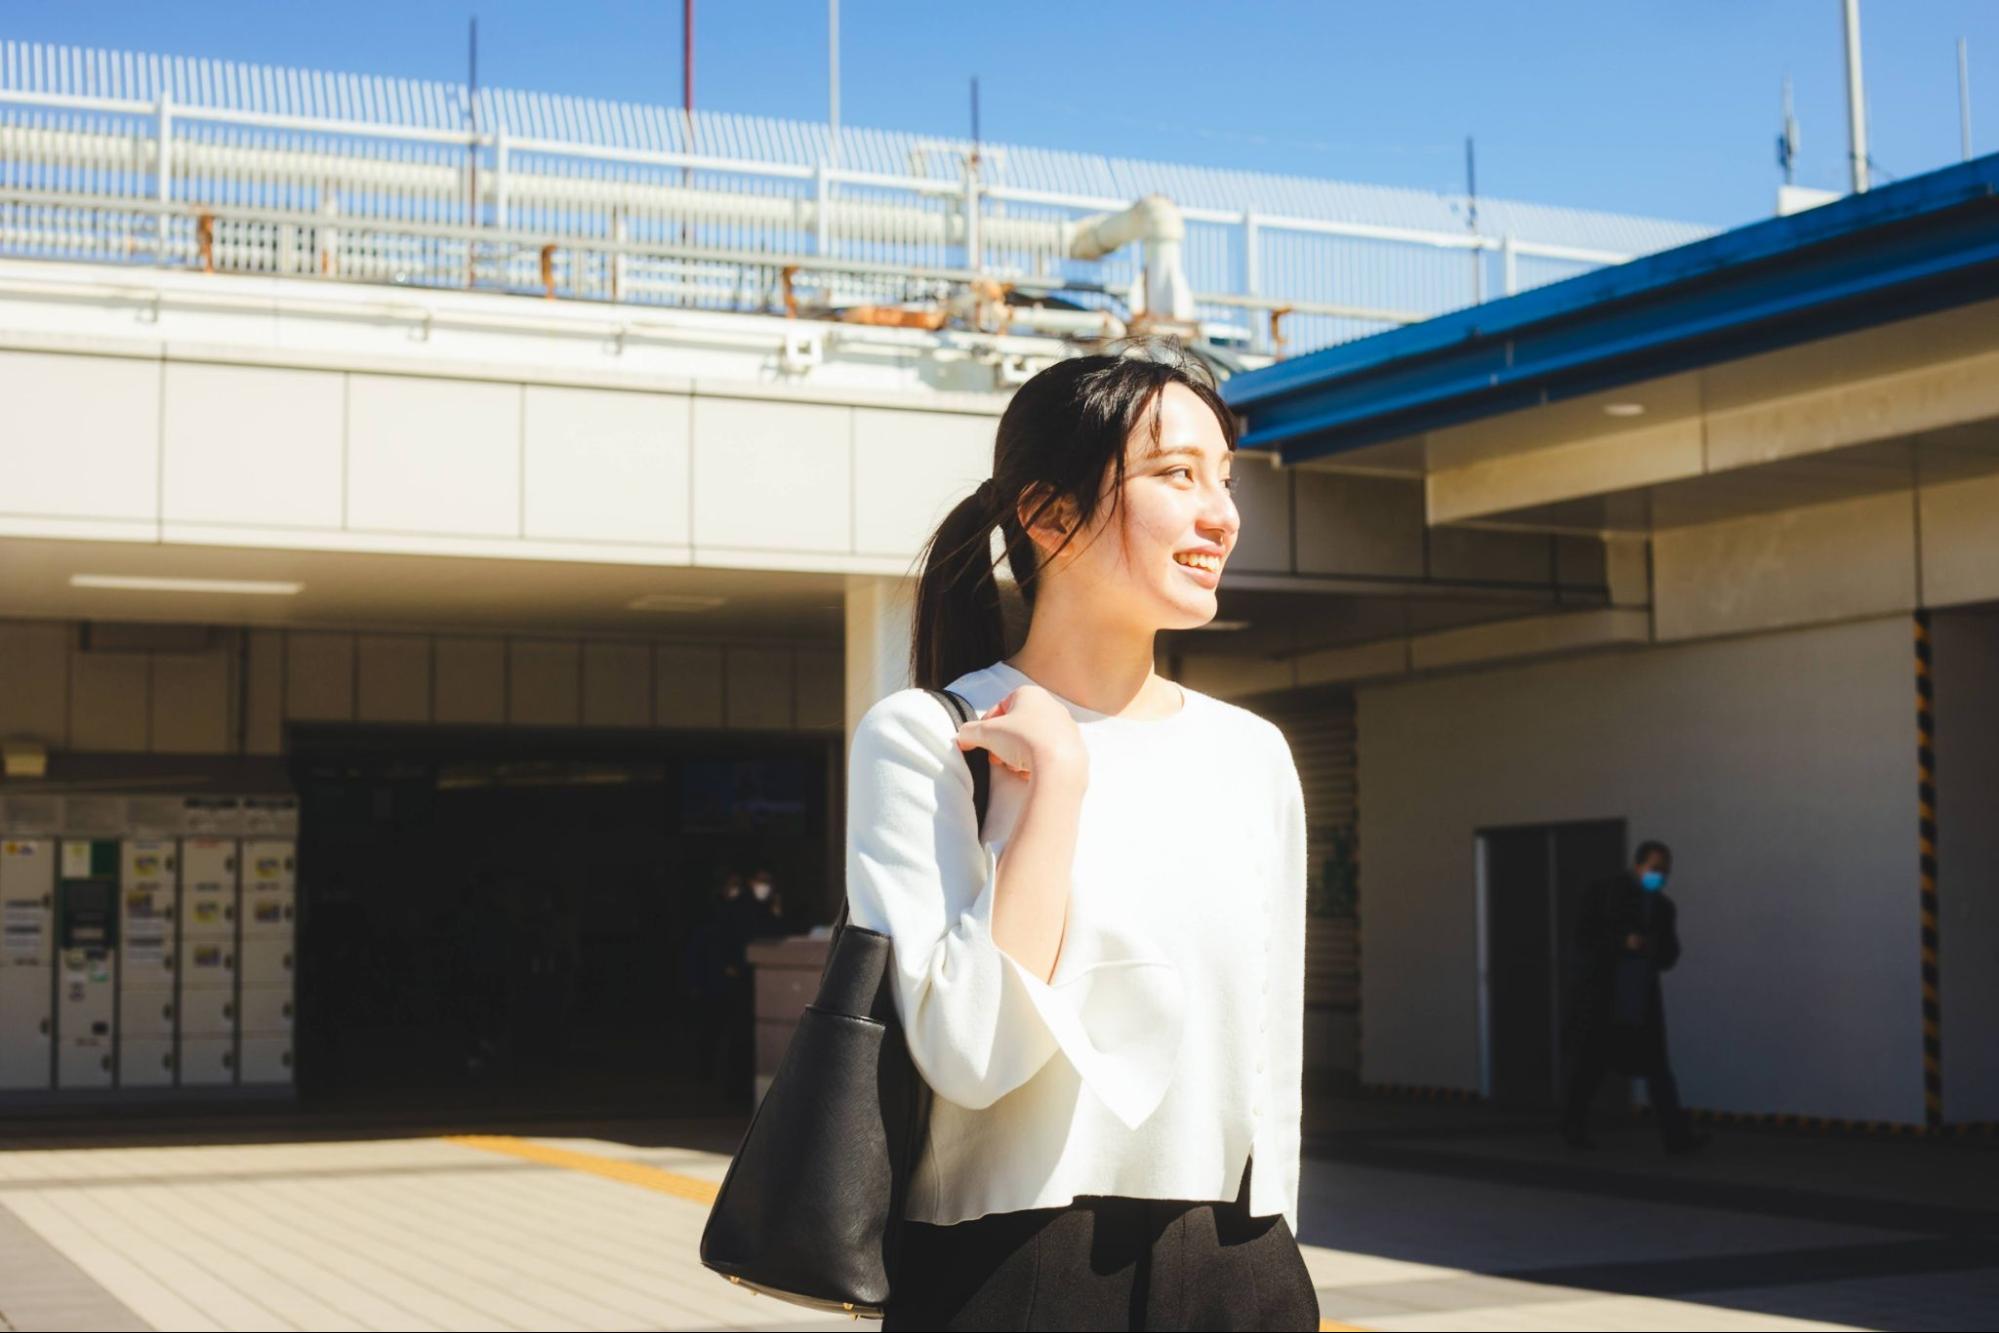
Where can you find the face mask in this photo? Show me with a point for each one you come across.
(1653, 881)
(760, 890)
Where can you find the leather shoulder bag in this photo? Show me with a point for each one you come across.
(811, 1208)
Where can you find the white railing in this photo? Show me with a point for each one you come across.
(230, 190)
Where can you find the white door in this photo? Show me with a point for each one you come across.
(26, 1025)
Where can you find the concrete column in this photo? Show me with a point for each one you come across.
(879, 618)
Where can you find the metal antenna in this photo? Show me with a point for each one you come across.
(833, 81)
(1787, 140)
(472, 143)
(1471, 220)
(1963, 100)
(1856, 100)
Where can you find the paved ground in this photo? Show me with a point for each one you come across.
(1416, 1218)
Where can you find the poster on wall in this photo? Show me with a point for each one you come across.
(744, 796)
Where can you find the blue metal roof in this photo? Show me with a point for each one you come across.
(1918, 245)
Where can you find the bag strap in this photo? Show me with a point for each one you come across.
(978, 760)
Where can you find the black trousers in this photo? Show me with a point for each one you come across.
(1594, 1060)
(1106, 1263)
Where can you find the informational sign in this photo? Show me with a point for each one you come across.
(211, 814)
(263, 815)
(23, 923)
(76, 858)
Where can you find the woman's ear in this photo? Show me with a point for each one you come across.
(1046, 517)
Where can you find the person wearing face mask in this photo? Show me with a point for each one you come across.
(1626, 936)
(768, 913)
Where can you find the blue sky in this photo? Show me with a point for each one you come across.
(1641, 106)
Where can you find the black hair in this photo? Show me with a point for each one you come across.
(1063, 430)
(1649, 846)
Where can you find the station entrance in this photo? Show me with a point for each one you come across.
(538, 916)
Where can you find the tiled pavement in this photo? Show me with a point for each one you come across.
(1416, 1218)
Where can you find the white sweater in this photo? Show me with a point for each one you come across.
(1167, 1049)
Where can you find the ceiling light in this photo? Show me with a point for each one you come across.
(1224, 625)
(137, 583)
(1624, 409)
(674, 601)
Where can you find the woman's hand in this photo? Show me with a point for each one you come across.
(1030, 734)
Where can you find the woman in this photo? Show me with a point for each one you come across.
(1103, 986)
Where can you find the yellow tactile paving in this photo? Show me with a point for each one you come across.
(595, 1164)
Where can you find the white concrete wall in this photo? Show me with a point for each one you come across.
(178, 448)
(1965, 663)
(235, 699)
(1782, 769)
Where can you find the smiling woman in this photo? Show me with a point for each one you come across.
(1104, 996)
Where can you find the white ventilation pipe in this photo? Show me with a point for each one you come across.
(1154, 220)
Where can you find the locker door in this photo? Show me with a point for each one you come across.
(27, 962)
(267, 963)
(84, 1062)
(267, 1060)
(146, 957)
(208, 1013)
(207, 1062)
(27, 902)
(145, 1062)
(144, 1014)
(26, 1027)
(207, 964)
(267, 1013)
(208, 887)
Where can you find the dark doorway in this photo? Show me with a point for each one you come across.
(1531, 882)
(515, 915)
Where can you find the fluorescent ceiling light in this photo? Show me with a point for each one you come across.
(1224, 625)
(136, 583)
(1624, 409)
(674, 601)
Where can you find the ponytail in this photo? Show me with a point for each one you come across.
(959, 626)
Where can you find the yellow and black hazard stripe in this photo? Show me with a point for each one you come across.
(1926, 796)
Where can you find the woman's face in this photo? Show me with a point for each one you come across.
(1157, 563)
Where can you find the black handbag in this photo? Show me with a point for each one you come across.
(811, 1208)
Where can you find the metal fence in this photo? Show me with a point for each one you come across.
(204, 164)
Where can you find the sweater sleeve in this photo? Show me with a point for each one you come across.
(978, 1024)
(1284, 1032)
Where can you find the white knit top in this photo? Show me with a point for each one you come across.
(1167, 1049)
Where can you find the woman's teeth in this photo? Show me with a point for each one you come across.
(1211, 563)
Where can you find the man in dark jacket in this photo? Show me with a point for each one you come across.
(1626, 936)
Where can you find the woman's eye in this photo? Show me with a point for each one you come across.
(1228, 483)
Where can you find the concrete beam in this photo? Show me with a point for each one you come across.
(1623, 460)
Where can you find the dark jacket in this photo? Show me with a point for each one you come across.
(1618, 1000)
